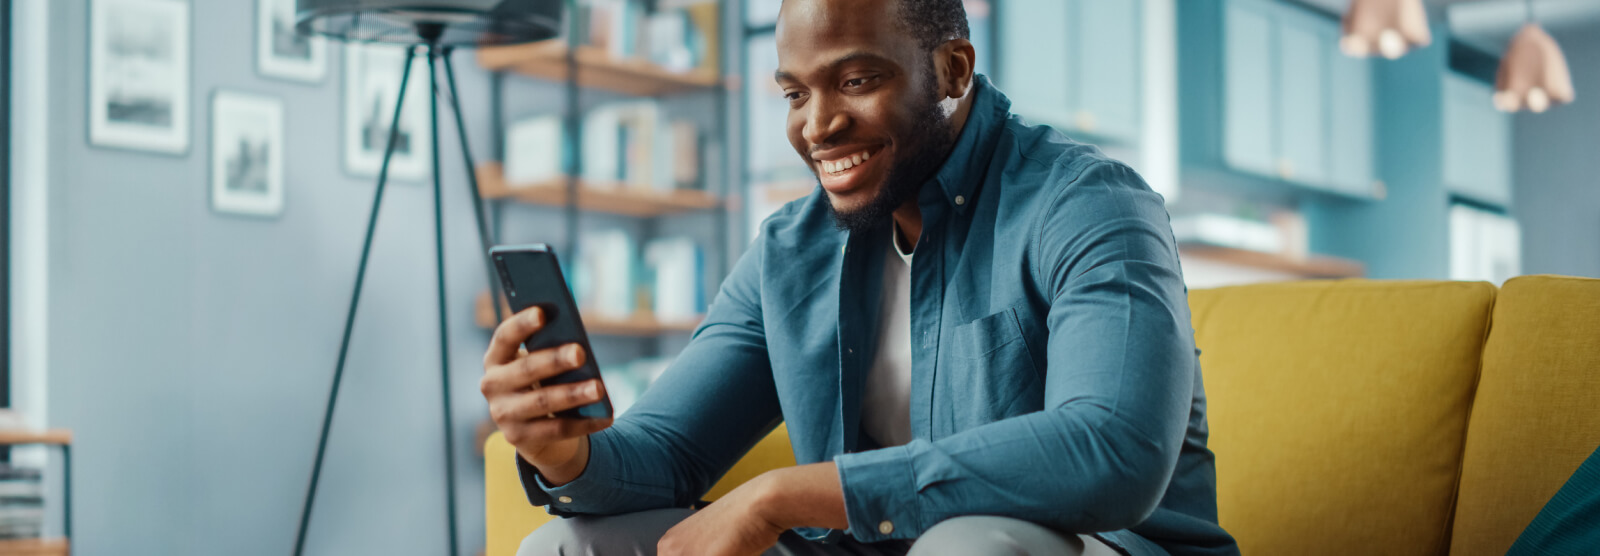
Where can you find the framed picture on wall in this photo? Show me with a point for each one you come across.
(139, 75)
(371, 86)
(246, 154)
(283, 53)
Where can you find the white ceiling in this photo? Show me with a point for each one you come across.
(1488, 24)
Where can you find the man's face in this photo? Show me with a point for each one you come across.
(864, 107)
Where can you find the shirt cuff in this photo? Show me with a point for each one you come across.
(880, 494)
(589, 494)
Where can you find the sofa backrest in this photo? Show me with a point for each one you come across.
(1338, 410)
(1537, 412)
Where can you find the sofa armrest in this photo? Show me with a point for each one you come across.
(509, 517)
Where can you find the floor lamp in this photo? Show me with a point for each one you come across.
(436, 27)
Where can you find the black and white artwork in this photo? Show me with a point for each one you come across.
(246, 154)
(139, 75)
(282, 53)
(372, 84)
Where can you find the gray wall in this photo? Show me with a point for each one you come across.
(1557, 165)
(191, 352)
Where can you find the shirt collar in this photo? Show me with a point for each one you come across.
(968, 163)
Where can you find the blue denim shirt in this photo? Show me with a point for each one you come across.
(1054, 373)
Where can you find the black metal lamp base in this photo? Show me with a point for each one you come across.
(431, 33)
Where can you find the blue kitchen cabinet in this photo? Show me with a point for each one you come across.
(1108, 85)
(1477, 142)
(1074, 64)
(1302, 103)
(1268, 100)
(1036, 58)
(1350, 135)
(1248, 122)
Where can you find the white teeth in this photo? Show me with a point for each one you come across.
(846, 163)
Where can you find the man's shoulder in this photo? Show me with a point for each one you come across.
(800, 226)
(1044, 169)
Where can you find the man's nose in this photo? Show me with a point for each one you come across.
(824, 122)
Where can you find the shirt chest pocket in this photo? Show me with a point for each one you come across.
(991, 375)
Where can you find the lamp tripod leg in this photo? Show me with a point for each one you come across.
(484, 239)
(444, 321)
(355, 299)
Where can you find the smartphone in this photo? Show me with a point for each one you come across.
(530, 276)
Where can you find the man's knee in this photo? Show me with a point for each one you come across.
(551, 539)
(635, 533)
(994, 536)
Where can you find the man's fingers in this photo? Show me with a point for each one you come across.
(508, 337)
(554, 429)
(532, 367)
(534, 404)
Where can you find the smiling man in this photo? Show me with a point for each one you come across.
(975, 329)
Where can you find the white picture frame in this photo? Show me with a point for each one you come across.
(280, 52)
(139, 75)
(246, 154)
(372, 84)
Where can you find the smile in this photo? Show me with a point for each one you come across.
(844, 164)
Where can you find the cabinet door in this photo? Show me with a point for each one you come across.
(1034, 58)
(1477, 142)
(1248, 129)
(1350, 140)
(1108, 34)
(1301, 84)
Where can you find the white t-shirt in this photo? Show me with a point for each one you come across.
(886, 400)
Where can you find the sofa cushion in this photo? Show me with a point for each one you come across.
(1537, 412)
(1338, 410)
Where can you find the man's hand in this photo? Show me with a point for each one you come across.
(524, 411)
(748, 520)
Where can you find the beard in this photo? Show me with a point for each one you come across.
(929, 143)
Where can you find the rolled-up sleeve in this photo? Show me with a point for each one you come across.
(713, 404)
(1120, 371)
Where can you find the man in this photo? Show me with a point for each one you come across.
(976, 331)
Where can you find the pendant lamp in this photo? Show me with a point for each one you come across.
(1386, 27)
(1533, 72)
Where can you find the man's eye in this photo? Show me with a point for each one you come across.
(857, 82)
(792, 96)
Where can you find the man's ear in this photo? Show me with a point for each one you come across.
(954, 59)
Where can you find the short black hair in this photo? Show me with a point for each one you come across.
(933, 22)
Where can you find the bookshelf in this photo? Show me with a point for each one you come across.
(638, 325)
(1313, 267)
(52, 546)
(597, 69)
(614, 198)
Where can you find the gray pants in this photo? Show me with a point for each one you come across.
(636, 534)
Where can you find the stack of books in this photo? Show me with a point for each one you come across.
(679, 35)
(21, 502)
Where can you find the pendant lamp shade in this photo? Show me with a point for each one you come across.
(456, 22)
(1533, 73)
(1386, 27)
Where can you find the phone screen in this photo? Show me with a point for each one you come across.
(530, 276)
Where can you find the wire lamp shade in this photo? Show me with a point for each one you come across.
(464, 23)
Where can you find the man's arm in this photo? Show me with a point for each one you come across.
(715, 402)
(1117, 394)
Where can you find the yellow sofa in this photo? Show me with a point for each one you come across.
(1350, 417)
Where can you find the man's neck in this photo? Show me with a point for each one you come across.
(908, 218)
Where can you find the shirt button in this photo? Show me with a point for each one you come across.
(842, 248)
(960, 201)
(886, 527)
(568, 500)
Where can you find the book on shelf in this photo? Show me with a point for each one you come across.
(676, 267)
(633, 144)
(21, 502)
(678, 36)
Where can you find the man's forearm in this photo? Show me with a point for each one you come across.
(803, 496)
